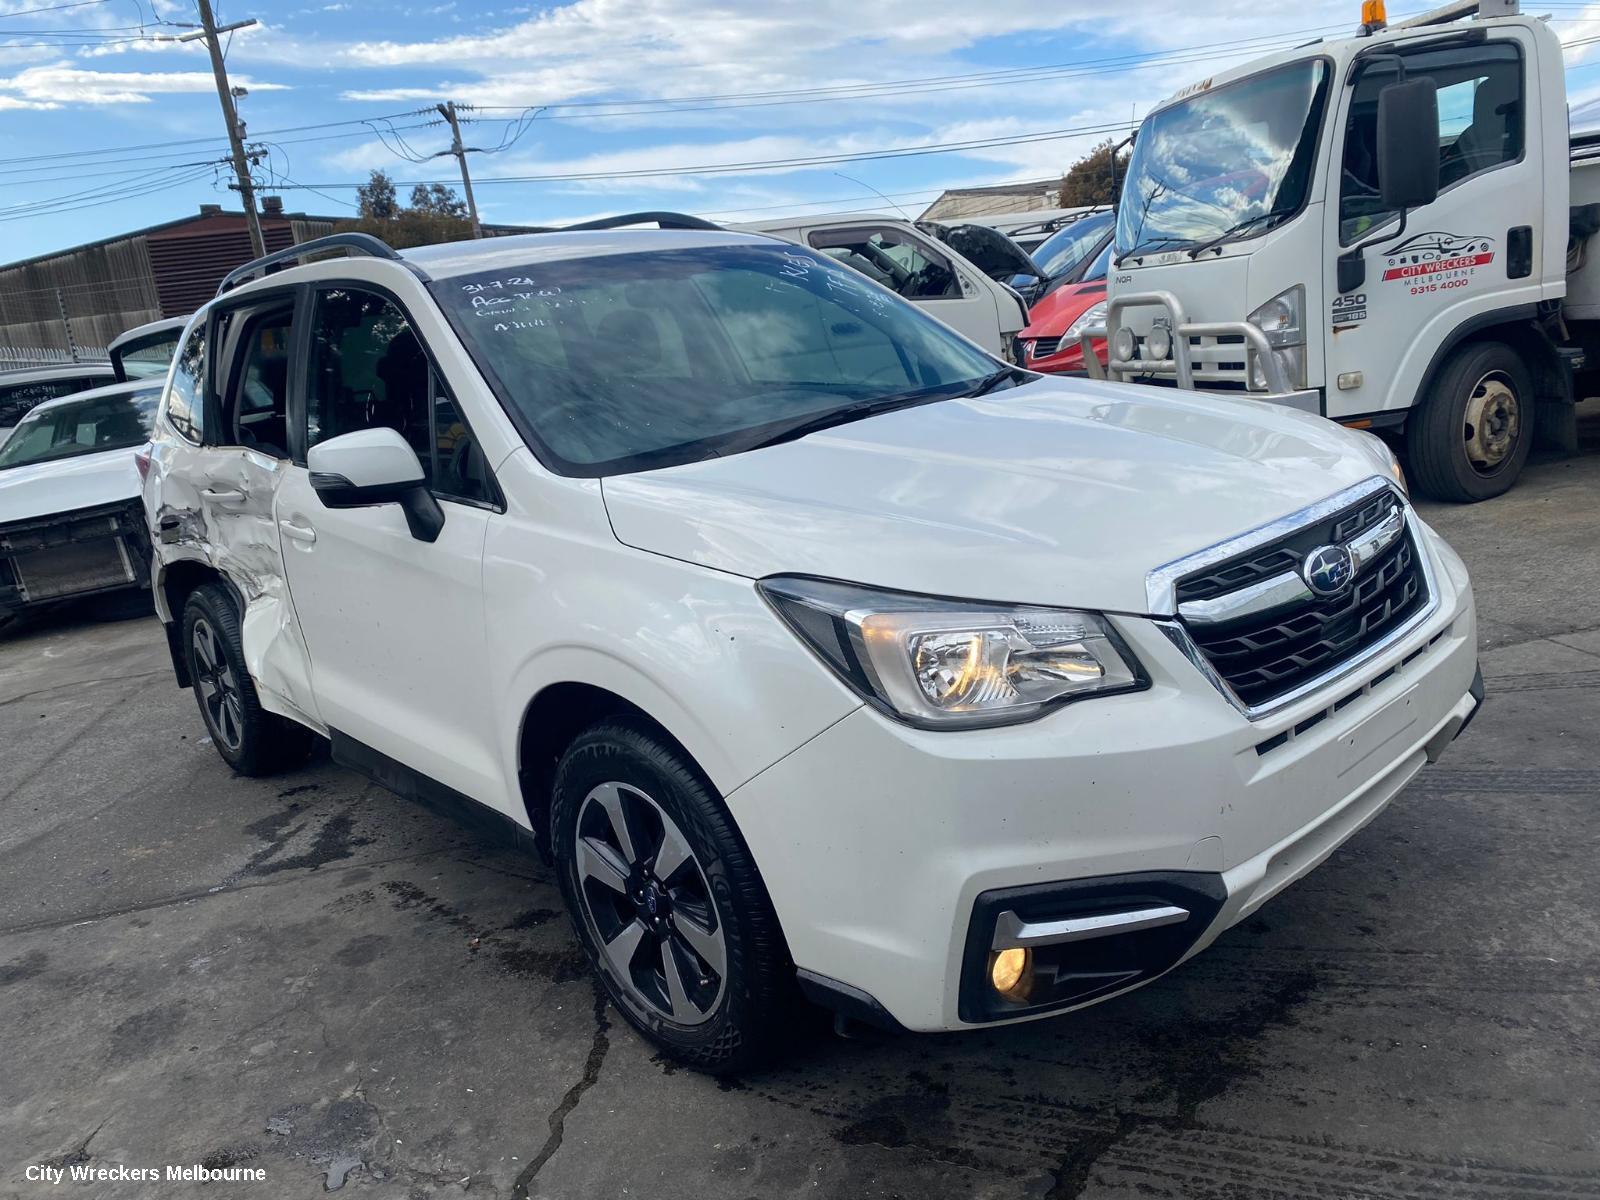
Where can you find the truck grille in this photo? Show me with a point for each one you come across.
(1266, 653)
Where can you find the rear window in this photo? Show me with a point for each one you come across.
(81, 427)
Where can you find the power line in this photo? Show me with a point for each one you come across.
(23, 12)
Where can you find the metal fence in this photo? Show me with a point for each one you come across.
(12, 357)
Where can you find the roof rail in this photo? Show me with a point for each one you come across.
(356, 243)
(665, 220)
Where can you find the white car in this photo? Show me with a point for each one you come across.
(23, 387)
(955, 272)
(146, 351)
(822, 652)
(71, 520)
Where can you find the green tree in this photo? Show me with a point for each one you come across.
(1090, 179)
(376, 198)
(439, 200)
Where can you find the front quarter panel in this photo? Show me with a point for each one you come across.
(696, 649)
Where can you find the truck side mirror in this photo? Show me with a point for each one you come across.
(1408, 163)
(1408, 137)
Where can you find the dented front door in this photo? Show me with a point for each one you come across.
(221, 478)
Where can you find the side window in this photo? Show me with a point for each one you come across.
(1481, 119)
(186, 398)
(889, 257)
(255, 406)
(368, 370)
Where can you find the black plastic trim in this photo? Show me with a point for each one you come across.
(845, 1000)
(1476, 692)
(356, 243)
(1158, 950)
(413, 785)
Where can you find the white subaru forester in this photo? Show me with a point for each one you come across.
(822, 652)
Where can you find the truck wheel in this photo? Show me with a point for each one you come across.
(1473, 435)
(667, 903)
(251, 740)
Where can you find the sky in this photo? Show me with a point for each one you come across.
(593, 107)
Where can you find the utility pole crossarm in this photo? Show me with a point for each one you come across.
(241, 167)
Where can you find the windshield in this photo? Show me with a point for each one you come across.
(77, 427)
(147, 357)
(1239, 157)
(1067, 247)
(626, 362)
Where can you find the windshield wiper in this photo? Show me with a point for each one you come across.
(1145, 247)
(988, 383)
(1233, 230)
(817, 422)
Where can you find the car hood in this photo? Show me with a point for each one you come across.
(1054, 312)
(86, 481)
(1062, 492)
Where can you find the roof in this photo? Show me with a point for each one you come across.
(206, 214)
(63, 371)
(461, 258)
(131, 388)
(821, 220)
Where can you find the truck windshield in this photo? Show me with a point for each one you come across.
(1237, 158)
(625, 362)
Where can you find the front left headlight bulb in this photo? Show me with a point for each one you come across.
(953, 664)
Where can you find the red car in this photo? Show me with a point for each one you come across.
(1049, 342)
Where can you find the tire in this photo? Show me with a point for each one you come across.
(251, 740)
(1473, 435)
(710, 910)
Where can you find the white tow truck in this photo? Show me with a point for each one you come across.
(1393, 230)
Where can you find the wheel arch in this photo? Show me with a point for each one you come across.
(553, 719)
(174, 584)
(1518, 328)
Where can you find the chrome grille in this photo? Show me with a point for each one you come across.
(1266, 634)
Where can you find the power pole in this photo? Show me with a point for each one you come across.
(448, 111)
(212, 35)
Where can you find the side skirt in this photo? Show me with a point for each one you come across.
(422, 789)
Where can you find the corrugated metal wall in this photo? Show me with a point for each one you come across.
(110, 287)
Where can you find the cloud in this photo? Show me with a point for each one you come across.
(60, 85)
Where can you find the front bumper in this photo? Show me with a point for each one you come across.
(79, 553)
(878, 843)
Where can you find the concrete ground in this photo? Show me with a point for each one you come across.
(309, 976)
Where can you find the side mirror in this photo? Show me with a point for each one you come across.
(375, 466)
(1408, 166)
(1408, 133)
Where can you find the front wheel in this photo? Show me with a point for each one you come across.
(666, 900)
(1474, 432)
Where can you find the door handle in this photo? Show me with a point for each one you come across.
(223, 495)
(297, 532)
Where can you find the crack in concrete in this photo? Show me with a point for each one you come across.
(57, 687)
(521, 1189)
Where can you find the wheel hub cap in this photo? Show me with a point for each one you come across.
(1494, 421)
(646, 901)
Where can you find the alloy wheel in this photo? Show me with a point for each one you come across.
(647, 903)
(1493, 422)
(218, 687)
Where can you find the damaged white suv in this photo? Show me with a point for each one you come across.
(824, 653)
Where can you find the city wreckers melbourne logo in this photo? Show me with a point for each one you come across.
(1429, 256)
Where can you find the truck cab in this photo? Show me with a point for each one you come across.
(1374, 229)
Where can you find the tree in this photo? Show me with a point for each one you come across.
(438, 200)
(376, 198)
(1089, 180)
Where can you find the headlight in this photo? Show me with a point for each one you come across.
(949, 664)
(1094, 315)
(1381, 448)
(1282, 319)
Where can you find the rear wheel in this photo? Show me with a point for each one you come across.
(251, 740)
(1473, 435)
(668, 904)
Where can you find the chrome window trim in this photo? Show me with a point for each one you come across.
(1179, 637)
(1161, 584)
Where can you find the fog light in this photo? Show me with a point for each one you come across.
(1124, 344)
(1009, 971)
(1158, 342)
